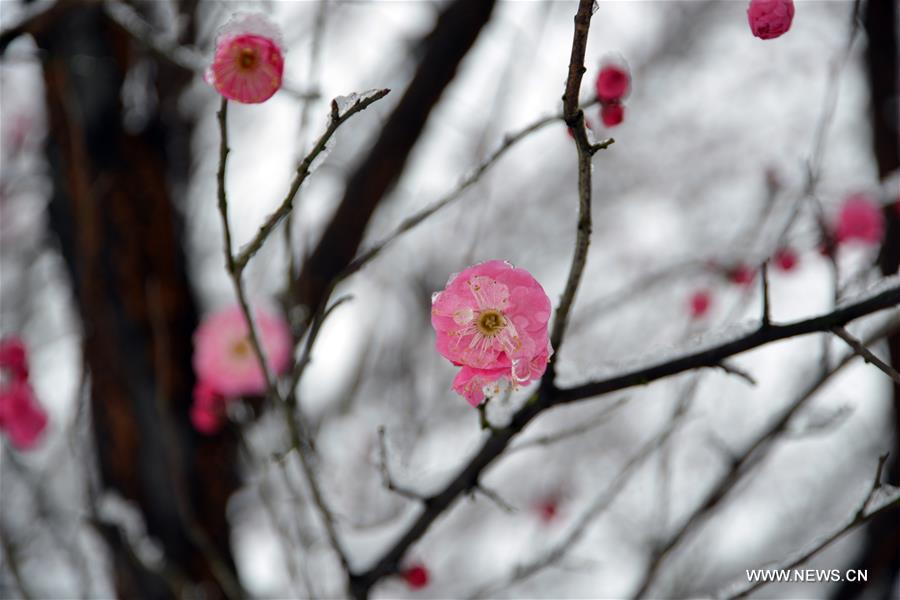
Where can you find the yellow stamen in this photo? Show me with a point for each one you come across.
(490, 322)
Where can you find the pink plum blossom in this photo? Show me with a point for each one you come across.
(860, 220)
(770, 18)
(21, 417)
(249, 62)
(612, 114)
(224, 357)
(612, 83)
(491, 320)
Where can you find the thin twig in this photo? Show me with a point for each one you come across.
(10, 557)
(712, 356)
(767, 309)
(547, 397)
(731, 369)
(337, 119)
(581, 428)
(291, 416)
(494, 497)
(574, 118)
(740, 464)
(230, 262)
(580, 526)
(383, 468)
(860, 517)
(413, 220)
(306, 356)
(867, 354)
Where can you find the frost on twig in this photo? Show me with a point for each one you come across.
(338, 118)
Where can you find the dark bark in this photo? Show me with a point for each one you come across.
(112, 210)
(880, 555)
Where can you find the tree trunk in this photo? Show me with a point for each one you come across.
(113, 213)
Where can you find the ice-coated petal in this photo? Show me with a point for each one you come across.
(470, 382)
(249, 62)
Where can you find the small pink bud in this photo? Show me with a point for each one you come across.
(547, 510)
(416, 576)
(861, 219)
(612, 83)
(742, 275)
(612, 114)
(700, 303)
(770, 18)
(786, 259)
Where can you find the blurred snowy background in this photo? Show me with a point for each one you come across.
(713, 156)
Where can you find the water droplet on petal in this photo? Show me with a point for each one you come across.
(521, 371)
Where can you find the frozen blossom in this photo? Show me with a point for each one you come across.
(249, 60)
(491, 320)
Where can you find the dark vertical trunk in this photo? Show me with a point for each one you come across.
(880, 555)
(112, 210)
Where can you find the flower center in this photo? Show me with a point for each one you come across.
(247, 58)
(490, 322)
(241, 348)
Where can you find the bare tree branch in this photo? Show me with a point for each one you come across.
(867, 354)
(862, 516)
(739, 466)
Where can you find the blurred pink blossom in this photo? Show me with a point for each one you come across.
(786, 259)
(14, 358)
(208, 410)
(699, 303)
(770, 18)
(224, 357)
(249, 63)
(492, 321)
(741, 275)
(861, 220)
(21, 417)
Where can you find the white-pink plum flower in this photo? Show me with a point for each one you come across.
(491, 320)
(249, 61)
(224, 358)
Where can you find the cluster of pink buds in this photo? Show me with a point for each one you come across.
(227, 366)
(21, 416)
(613, 83)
